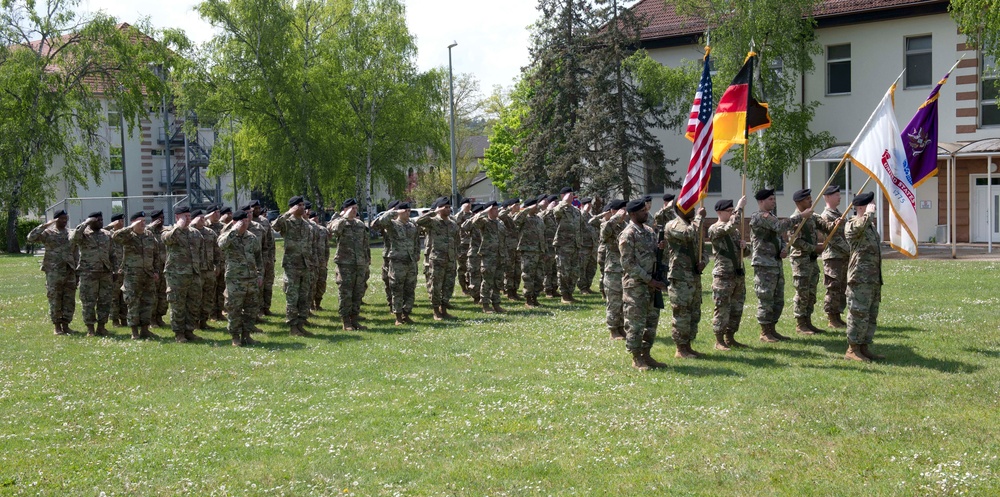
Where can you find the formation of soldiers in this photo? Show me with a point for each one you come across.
(212, 260)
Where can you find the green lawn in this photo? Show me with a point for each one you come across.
(536, 402)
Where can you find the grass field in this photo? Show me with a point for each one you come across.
(536, 402)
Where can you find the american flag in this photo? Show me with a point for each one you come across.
(699, 131)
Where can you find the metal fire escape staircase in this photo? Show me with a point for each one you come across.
(188, 174)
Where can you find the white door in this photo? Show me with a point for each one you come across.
(985, 211)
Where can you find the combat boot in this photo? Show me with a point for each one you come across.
(487, 309)
(348, 326)
(91, 332)
(766, 335)
(135, 333)
(731, 340)
(475, 299)
(399, 319)
(683, 352)
(653, 363)
(245, 338)
(437, 314)
(444, 312)
(158, 321)
(720, 342)
(779, 336)
(499, 310)
(617, 333)
(813, 327)
(66, 329)
(145, 333)
(355, 320)
(692, 351)
(236, 340)
(406, 318)
(854, 353)
(102, 329)
(834, 321)
(178, 336)
(567, 298)
(869, 354)
(512, 295)
(191, 337)
(802, 326)
(530, 302)
(639, 361)
(203, 325)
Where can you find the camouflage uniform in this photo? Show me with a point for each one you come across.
(184, 282)
(611, 230)
(220, 278)
(769, 277)
(729, 289)
(323, 261)
(268, 254)
(835, 257)
(386, 248)
(567, 246)
(864, 279)
(59, 264)
(805, 269)
(683, 247)
(160, 304)
(475, 262)
(312, 263)
(663, 216)
(550, 278)
(597, 222)
(512, 272)
(463, 250)
(492, 245)
(351, 259)
(295, 263)
(244, 269)
(588, 252)
(530, 244)
(637, 245)
(440, 256)
(119, 311)
(211, 259)
(140, 258)
(96, 271)
(403, 259)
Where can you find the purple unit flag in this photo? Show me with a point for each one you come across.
(920, 138)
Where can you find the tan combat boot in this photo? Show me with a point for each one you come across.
(66, 329)
(854, 353)
(834, 320)
(91, 332)
(499, 310)
(639, 360)
(653, 363)
(731, 340)
(683, 352)
(617, 333)
(779, 336)
(869, 354)
(245, 338)
(766, 335)
(809, 322)
(399, 319)
(487, 309)
(348, 326)
(145, 333)
(437, 314)
(135, 333)
(192, 337)
(720, 342)
(444, 312)
(178, 336)
(102, 329)
(356, 321)
(802, 326)
(236, 340)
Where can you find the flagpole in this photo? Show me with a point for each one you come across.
(816, 202)
(842, 217)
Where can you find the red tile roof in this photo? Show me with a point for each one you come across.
(664, 21)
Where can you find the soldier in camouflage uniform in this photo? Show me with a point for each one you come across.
(530, 244)
(322, 259)
(261, 230)
(588, 247)
(835, 257)
(804, 251)
(613, 272)
(59, 265)
(211, 261)
(686, 263)
(140, 258)
(403, 259)
(729, 289)
(492, 244)
(637, 245)
(294, 227)
(119, 311)
(183, 271)
(475, 262)
(96, 271)
(550, 276)
(768, 249)
(351, 259)
(602, 248)
(215, 222)
(864, 279)
(512, 276)
(244, 276)
(567, 243)
(666, 213)
(463, 215)
(386, 248)
(441, 253)
(160, 303)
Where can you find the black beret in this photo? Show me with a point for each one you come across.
(830, 190)
(96, 214)
(723, 205)
(212, 208)
(347, 203)
(182, 210)
(256, 203)
(667, 197)
(313, 214)
(478, 208)
(491, 203)
(586, 200)
(764, 194)
(137, 215)
(802, 194)
(863, 199)
(441, 201)
(155, 214)
(117, 217)
(529, 202)
(392, 205)
(240, 215)
(565, 190)
(59, 213)
(308, 205)
(618, 204)
(607, 207)
(465, 201)
(552, 198)
(647, 198)
(403, 205)
(436, 203)
(292, 202)
(247, 207)
(197, 212)
(635, 205)
(225, 210)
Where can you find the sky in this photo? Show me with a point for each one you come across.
(492, 35)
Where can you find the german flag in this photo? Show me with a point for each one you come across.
(738, 114)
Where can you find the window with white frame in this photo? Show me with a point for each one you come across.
(838, 69)
(115, 158)
(989, 113)
(114, 116)
(918, 62)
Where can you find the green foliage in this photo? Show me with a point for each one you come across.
(24, 226)
(507, 134)
(668, 87)
(979, 21)
(56, 67)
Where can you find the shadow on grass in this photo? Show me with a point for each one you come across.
(692, 369)
(902, 355)
(995, 354)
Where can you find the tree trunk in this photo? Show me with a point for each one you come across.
(13, 247)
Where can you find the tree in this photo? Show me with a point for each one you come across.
(979, 21)
(55, 67)
(506, 111)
